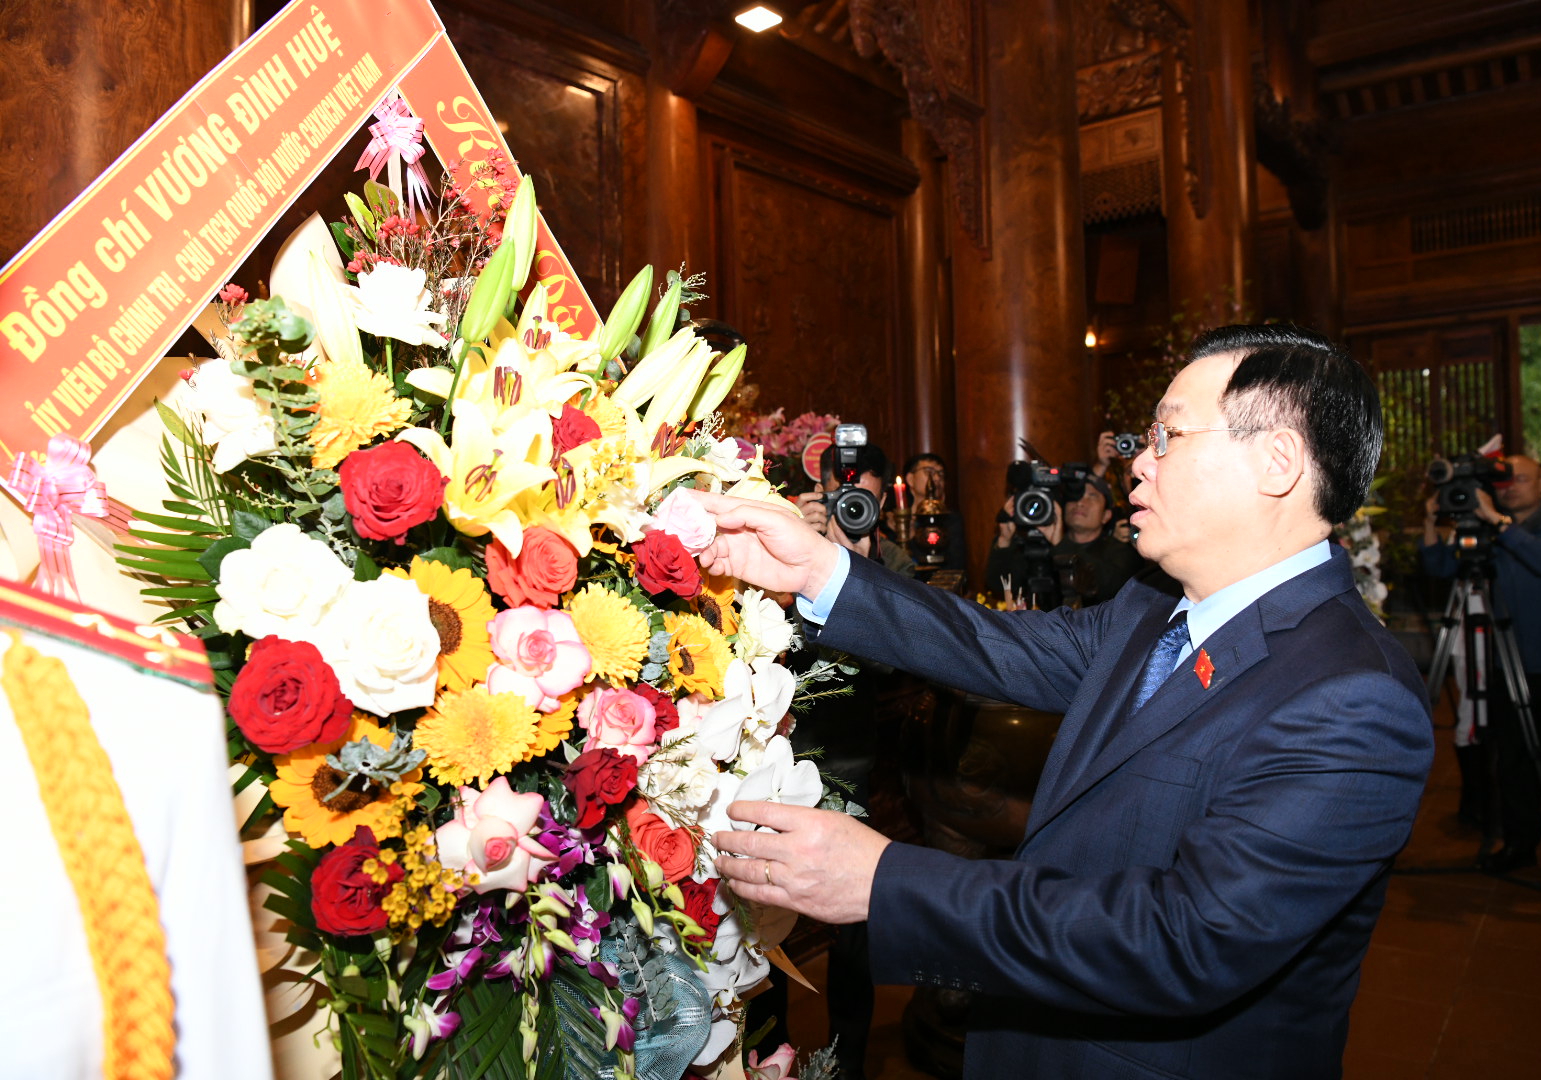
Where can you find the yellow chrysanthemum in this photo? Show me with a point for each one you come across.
(357, 406)
(459, 608)
(305, 780)
(714, 602)
(698, 655)
(612, 629)
(473, 735)
(610, 417)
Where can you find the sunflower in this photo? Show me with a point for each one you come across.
(473, 735)
(698, 655)
(459, 608)
(612, 629)
(305, 780)
(555, 725)
(357, 405)
(714, 602)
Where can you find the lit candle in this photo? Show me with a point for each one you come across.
(898, 493)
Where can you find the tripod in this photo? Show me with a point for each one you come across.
(1487, 634)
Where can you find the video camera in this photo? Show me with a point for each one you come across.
(854, 508)
(1037, 486)
(1457, 482)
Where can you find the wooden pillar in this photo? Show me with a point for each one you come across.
(1020, 322)
(83, 81)
(1211, 196)
(931, 406)
(678, 230)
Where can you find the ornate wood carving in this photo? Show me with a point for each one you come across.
(692, 43)
(1293, 150)
(1161, 22)
(935, 47)
(1101, 35)
(1120, 86)
(808, 270)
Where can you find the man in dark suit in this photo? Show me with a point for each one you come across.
(1210, 843)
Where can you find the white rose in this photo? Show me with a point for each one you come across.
(284, 584)
(382, 645)
(763, 630)
(235, 421)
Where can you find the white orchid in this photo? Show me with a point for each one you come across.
(392, 301)
(234, 420)
(764, 632)
(753, 700)
(781, 779)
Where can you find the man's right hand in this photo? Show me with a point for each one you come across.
(766, 547)
(1006, 530)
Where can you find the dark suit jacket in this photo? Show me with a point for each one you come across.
(1199, 879)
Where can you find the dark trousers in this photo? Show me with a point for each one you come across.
(1514, 771)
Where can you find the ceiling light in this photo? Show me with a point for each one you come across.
(758, 18)
(1091, 338)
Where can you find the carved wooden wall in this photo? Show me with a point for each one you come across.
(808, 269)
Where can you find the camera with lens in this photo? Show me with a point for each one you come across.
(1128, 444)
(1458, 480)
(853, 508)
(1037, 486)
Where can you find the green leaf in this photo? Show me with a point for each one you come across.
(382, 200)
(247, 525)
(365, 569)
(176, 540)
(183, 592)
(174, 424)
(193, 525)
(451, 557)
(214, 557)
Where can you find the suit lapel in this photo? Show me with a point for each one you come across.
(1071, 751)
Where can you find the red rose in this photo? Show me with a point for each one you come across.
(665, 716)
(699, 897)
(344, 899)
(573, 428)
(546, 567)
(598, 780)
(674, 850)
(663, 565)
(287, 697)
(390, 488)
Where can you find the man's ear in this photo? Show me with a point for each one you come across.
(1284, 462)
(1107, 516)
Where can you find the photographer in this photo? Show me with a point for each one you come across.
(925, 476)
(872, 464)
(1515, 536)
(1078, 541)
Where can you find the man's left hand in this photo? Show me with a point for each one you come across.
(821, 863)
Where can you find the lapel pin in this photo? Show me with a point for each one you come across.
(1204, 668)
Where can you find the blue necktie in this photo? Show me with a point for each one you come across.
(1173, 640)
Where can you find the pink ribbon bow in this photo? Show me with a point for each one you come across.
(55, 491)
(398, 134)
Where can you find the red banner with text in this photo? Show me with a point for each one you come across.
(92, 303)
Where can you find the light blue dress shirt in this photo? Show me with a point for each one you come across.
(1204, 618)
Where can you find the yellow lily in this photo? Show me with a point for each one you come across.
(487, 470)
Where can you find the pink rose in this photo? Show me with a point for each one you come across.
(542, 656)
(620, 719)
(682, 517)
(778, 1066)
(492, 836)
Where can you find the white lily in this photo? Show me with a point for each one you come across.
(487, 471)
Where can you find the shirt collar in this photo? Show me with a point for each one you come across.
(1214, 611)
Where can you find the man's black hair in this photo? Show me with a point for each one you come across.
(1294, 378)
(915, 459)
(869, 459)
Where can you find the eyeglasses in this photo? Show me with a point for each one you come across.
(1156, 438)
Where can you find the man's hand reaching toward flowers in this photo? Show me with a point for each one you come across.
(766, 547)
(818, 863)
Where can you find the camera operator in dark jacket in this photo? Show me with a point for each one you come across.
(1097, 563)
(1516, 553)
